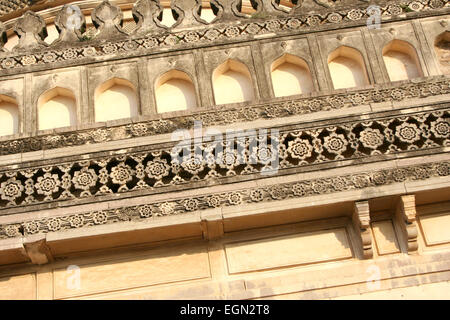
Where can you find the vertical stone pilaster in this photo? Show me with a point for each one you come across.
(374, 57)
(86, 109)
(323, 81)
(205, 90)
(29, 109)
(147, 106)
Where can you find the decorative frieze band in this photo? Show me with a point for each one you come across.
(229, 26)
(225, 199)
(172, 166)
(413, 90)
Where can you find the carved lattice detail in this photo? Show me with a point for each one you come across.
(238, 156)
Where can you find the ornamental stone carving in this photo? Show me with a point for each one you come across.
(32, 31)
(406, 217)
(226, 10)
(148, 15)
(172, 165)
(186, 13)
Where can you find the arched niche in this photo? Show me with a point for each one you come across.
(9, 116)
(442, 48)
(232, 83)
(290, 76)
(175, 91)
(347, 68)
(56, 109)
(115, 99)
(401, 61)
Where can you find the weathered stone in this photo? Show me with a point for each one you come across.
(31, 30)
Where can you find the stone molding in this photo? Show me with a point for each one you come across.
(433, 86)
(183, 205)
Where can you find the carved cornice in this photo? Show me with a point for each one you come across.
(183, 205)
(398, 92)
(106, 47)
(174, 166)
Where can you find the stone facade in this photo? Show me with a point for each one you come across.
(226, 149)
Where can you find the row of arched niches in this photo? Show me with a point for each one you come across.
(230, 75)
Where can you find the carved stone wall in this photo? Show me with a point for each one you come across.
(350, 170)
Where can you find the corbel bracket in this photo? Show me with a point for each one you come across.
(36, 250)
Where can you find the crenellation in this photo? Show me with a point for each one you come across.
(249, 149)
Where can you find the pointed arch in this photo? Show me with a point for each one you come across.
(175, 91)
(56, 109)
(401, 61)
(232, 83)
(115, 99)
(9, 116)
(290, 76)
(442, 49)
(347, 68)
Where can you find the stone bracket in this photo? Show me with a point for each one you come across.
(361, 225)
(36, 249)
(212, 224)
(405, 214)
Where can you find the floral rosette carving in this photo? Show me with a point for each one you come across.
(48, 184)
(11, 189)
(121, 174)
